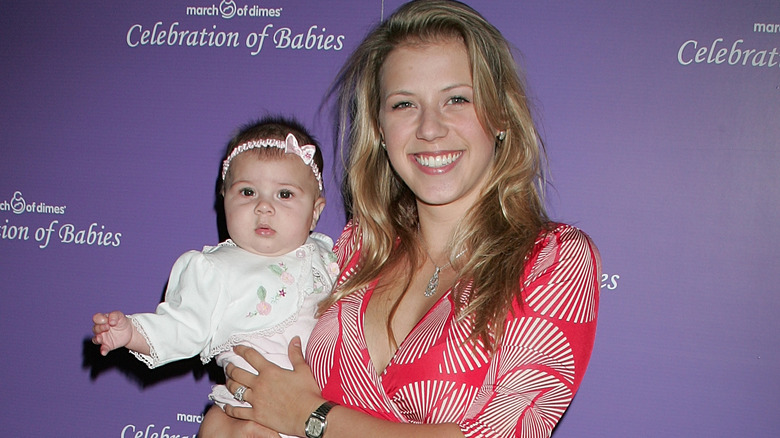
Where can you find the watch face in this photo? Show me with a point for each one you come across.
(314, 427)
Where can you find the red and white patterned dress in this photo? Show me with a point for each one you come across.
(521, 391)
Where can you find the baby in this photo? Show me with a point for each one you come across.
(259, 288)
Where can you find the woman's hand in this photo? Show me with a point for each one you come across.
(281, 399)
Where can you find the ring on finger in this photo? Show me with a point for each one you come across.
(239, 394)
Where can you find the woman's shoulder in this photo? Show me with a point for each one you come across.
(562, 273)
(562, 248)
(563, 233)
(348, 243)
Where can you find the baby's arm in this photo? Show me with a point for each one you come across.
(114, 330)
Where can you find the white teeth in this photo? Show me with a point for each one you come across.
(438, 160)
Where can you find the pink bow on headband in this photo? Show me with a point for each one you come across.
(306, 152)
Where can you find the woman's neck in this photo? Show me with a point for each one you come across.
(437, 226)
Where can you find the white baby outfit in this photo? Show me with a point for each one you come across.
(225, 296)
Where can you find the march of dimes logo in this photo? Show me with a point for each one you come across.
(228, 9)
(174, 34)
(58, 231)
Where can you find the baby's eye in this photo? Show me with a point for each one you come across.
(285, 194)
(246, 191)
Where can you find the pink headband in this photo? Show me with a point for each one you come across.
(290, 146)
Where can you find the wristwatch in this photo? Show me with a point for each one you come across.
(315, 425)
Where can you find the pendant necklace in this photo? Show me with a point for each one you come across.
(433, 283)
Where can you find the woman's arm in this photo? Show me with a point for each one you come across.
(547, 341)
(283, 400)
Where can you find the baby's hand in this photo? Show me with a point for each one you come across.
(112, 330)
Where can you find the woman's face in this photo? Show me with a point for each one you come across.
(428, 119)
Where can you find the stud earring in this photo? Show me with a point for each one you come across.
(501, 135)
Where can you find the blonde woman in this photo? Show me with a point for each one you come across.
(461, 310)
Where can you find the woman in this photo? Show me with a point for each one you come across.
(461, 310)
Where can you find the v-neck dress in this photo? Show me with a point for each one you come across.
(522, 390)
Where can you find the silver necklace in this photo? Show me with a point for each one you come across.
(433, 283)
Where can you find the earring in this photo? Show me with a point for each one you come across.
(501, 135)
(382, 141)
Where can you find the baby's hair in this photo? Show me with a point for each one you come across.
(270, 127)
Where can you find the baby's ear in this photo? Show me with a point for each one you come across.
(319, 205)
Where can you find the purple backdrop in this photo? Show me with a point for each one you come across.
(662, 125)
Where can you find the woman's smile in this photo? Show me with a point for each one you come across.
(440, 162)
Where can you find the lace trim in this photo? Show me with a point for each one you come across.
(238, 339)
(151, 360)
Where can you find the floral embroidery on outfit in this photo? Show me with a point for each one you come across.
(265, 306)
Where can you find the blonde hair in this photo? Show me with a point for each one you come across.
(500, 230)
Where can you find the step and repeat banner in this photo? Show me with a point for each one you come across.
(662, 123)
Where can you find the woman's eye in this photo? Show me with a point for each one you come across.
(246, 192)
(402, 105)
(285, 194)
(458, 99)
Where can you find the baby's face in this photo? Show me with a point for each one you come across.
(271, 204)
